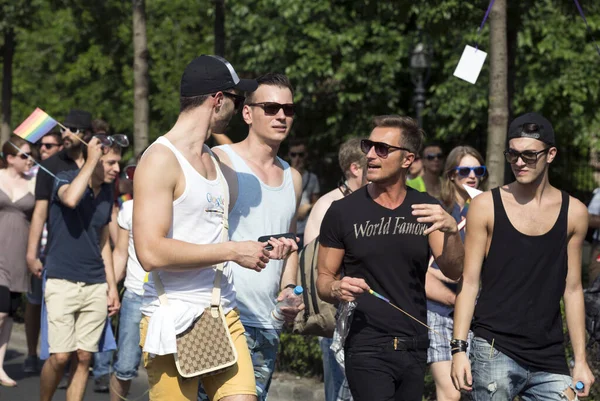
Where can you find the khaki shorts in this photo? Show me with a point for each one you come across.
(167, 385)
(76, 315)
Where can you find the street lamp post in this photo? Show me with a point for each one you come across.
(420, 65)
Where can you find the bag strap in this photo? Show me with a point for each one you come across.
(216, 292)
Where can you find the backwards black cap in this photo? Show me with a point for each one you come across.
(210, 74)
(532, 125)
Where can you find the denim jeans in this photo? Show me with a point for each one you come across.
(102, 362)
(333, 376)
(263, 345)
(129, 352)
(496, 377)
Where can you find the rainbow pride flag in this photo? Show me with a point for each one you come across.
(124, 198)
(35, 126)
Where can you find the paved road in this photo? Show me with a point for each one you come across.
(28, 388)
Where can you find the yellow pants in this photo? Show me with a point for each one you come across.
(167, 385)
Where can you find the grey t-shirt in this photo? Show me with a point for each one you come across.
(310, 186)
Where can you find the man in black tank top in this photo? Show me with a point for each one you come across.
(381, 236)
(524, 244)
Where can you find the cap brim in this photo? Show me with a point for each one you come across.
(247, 85)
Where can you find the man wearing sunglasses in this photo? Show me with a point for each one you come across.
(381, 236)
(78, 123)
(265, 192)
(524, 243)
(179, 218)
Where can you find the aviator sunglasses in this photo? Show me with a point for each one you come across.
(272, 108)
(381, 149)
(118, 139)
(464, 171)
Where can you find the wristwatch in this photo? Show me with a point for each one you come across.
(292, 286)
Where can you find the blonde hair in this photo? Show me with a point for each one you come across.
(452, 161)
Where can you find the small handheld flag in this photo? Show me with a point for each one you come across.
(38, 124)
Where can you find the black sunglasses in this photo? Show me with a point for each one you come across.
(433, 156)
(381, 149)
(479, 171)
(238, 100)
(118, 139)
(272, 108)
(48, 145)
(296, 154)
(73, 130)
(528, 156)
(23, 156)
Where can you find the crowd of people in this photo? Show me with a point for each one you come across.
(432, 277)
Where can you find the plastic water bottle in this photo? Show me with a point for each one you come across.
(579, 386)
(292, 300)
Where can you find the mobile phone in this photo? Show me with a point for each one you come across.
(265, 238)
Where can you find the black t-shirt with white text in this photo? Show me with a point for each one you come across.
(388, 250)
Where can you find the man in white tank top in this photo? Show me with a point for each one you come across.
(178, 223)
(265, 192)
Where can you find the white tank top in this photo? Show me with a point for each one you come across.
(197, 219)
(259, 210)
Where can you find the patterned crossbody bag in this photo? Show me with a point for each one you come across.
(206, 347)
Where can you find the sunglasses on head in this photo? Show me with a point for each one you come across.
(272, 108)
(296, 154)
(433, 156)
(238, 100)
(130, 171)
(73, 130)
(118, 139)
(381, 149)
(48, 145)
(464, 171)
(528, 156)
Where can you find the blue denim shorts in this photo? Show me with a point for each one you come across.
(497, 377)
(129, 352)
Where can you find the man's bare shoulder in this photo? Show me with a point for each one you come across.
(326, 200)
(221, 156)
(483, 202)
(577, 210)
(158, 163)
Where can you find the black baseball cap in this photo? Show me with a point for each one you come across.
(543, 132)
(78, 119)
(211, 74)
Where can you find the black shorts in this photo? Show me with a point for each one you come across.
(9, 301)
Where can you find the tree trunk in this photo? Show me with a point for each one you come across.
(498, 101)
(140, 78)
(220, 27)
(9, 51)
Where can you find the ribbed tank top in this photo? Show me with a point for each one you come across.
(197, 219)
(522, 282)
(259, 210)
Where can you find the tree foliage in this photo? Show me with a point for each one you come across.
(348, 59)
